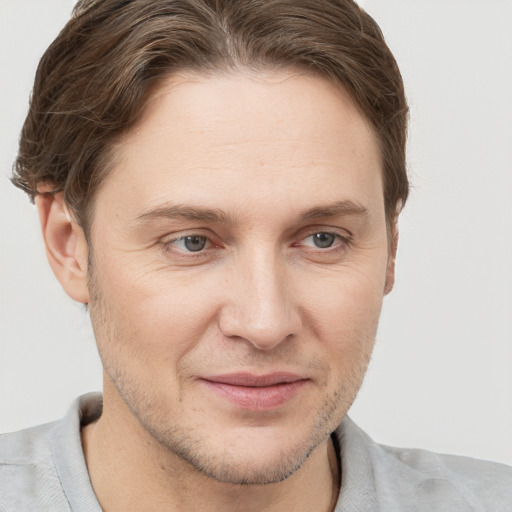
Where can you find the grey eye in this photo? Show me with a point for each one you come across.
(194, 243)
(323, 240)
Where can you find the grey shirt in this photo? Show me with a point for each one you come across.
(43, 469)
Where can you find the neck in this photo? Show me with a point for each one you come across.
(131, 471)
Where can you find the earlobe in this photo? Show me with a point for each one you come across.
(66, 247)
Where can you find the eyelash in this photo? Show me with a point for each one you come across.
(341, 242)
(169, 246)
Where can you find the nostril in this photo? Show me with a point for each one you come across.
(259, 332)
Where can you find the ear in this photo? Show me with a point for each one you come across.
(393, 245)
(66, 246)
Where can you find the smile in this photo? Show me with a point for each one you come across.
(256, 392)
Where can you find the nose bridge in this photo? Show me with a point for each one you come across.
(261, 308)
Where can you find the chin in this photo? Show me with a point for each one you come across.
(247, 470)
(243, 456)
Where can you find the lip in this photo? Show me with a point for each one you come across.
(256, 392)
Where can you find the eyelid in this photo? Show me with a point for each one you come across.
(168, 243)
(340, 233)
(343, 240)
(183, 233)
(184, 238)
(339, 242)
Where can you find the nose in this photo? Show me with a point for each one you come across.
(260, 308)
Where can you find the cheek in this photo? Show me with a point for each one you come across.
(343, 310)
(159, 314)
(350, 296)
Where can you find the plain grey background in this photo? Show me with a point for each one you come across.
(441, 375)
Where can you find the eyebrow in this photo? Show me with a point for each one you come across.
(218, 216)
(340, 208)
(213, 215)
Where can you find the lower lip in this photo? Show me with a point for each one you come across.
(256, 398)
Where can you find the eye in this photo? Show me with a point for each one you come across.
(321, 240)
(190, 243)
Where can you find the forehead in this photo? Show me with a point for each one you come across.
(246, 133)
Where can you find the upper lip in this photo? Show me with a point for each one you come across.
(254, 380)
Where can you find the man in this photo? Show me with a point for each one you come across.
(220, 182)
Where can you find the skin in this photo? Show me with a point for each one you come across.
(276, 159)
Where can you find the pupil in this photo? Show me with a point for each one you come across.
(323, 240)
(195, 243)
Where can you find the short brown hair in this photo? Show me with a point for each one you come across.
(93, 82)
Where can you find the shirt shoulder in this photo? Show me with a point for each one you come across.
(407, 480)
(43, 468)
(472, 484)
(28, 476)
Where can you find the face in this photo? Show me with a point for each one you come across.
(239, 261)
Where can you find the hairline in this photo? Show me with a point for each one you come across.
(111, 152)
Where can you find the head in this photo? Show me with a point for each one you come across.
(220, 182)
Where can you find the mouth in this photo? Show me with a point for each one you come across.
(256, 392)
